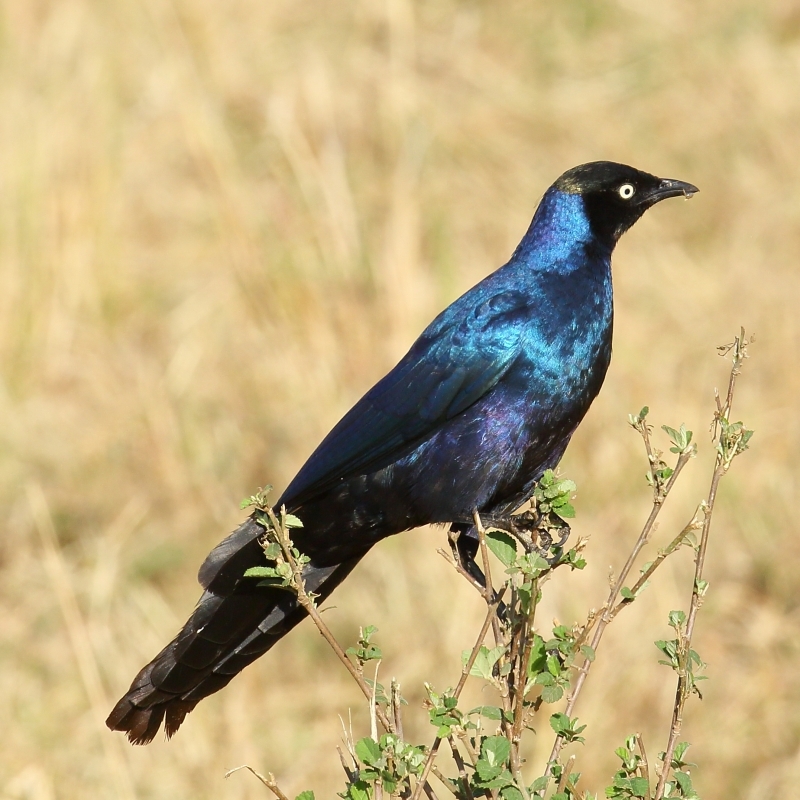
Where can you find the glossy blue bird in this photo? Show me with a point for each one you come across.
(481, 405)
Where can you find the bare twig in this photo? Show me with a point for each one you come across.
(608, 611)
(726, 452)
(644, 766)
(565, 773)
(396, 703)
(695, 524)
(459, 568)
(268, 780)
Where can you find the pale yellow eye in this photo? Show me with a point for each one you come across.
(626, 191)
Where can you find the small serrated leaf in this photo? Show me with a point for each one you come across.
(552, 693)
(684, 781)
(503, 546)
(261, 572)
(368, 751)
(487, 771)
(496, 750)
(490, 712)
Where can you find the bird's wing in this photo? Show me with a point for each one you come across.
(452, 365)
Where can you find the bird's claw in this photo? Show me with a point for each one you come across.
(535, 532)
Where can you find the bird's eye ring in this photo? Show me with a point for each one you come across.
(626, 191)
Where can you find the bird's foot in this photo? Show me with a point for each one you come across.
(542, 534)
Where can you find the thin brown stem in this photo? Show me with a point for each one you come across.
(683, 689)
(565, 773)
(473, 756)
(644, 766)
(659, 559)
(396, 704)
(459, 568)
(721, 466)
(268, 780)
(608, 609)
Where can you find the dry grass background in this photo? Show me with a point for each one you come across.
(221, 221)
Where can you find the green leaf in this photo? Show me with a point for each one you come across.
(559, 722)
(677, 618)
(524, 592)
(496, 750)
(684, 781)
(627, 593)
(538, 657)
(566, 727)
(368, 751)
(679, 753)
(588, 652)
(539, 785)
(503, 546)
(552, 694)
(486, 771)
(503, 779)
(511, 793)
(272, 552)
(261, 572)
(484, 661)
(639, 787)
(307, 795)
(565, 510)
(358, 791)
(490, 712)
(553, 665)
(291, 521)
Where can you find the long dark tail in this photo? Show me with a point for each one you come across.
(233, 624)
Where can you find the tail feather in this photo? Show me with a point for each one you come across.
(233, 624)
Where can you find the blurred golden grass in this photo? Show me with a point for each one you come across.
(220, 222)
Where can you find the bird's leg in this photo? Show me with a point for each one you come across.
(465, 549)
(464, 543)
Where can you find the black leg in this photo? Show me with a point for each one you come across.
(464, 543)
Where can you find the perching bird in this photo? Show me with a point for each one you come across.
(481, 405)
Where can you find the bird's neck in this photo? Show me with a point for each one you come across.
(560, 236)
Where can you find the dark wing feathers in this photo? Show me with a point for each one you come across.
(448, 369)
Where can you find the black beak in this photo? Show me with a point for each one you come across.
(670, 188)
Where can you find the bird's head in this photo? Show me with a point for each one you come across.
(616, 195)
